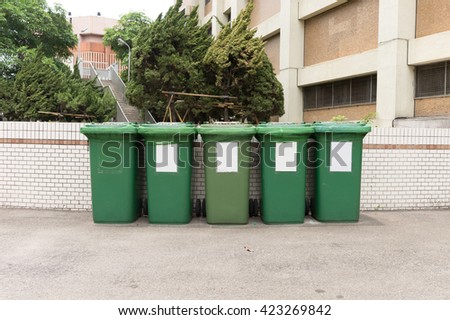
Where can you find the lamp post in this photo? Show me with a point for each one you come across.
(121, 41)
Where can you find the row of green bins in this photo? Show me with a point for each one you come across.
(283, 171)
(338, 171)
(227, 163)
(113, 159)
(113, 153)
(227, 159)
(114, 163)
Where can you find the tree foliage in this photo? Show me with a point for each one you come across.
(239, 67)
(27, 24)
(44, 84)
(34, 41)
(127, 29)
(168, 55)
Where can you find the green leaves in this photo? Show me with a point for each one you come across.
(240, 67)
(128, 27)
(44, 84)
(167, 56)
(29, 24)
(35, 39)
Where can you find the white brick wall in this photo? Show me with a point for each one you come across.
(406, 178)
(45, 176)
(46, 165)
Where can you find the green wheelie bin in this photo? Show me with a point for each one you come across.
(227, 162)
(283, 171)
(114, 162)
(168, 166)
(338, 171)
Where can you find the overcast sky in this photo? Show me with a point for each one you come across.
(113, 8)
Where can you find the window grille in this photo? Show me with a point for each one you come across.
(431, 80)
(353, 91)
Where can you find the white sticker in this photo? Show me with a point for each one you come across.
(341, 157)
(286, 157)
(227, 157)
(166, 158)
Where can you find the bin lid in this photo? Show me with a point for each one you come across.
(165, 128)
(225, 129)
(284, 130)
(108, 128)
(342, 127)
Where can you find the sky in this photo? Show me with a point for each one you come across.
(113, 8)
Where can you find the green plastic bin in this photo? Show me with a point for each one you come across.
(338, 171)
(168, 166)
(114, 162)
(283, 171)
(227, 163)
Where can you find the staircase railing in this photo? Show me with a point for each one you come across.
(149, 117)
(121, 88)
(117, 82)
(93, 75)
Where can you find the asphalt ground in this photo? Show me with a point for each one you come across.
(64, 255)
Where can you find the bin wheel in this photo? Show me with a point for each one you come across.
(307, 206)
(198, 208)
(144, 207)
(257, 207)
(251, 208)
(311, 205)
(204, 208)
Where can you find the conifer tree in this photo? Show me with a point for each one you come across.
(44, 84)
(168, 55)
(239, 67)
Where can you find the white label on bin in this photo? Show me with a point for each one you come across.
(227, 157)
(166, 157)
(286, 157)
(341, 156)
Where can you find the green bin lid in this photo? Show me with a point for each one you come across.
(284, 130)
(108, 128)
(342, 127)
(166, 128)
(227, 129)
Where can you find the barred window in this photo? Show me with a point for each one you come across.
(432, 80)
(325, 95)
(353, 91)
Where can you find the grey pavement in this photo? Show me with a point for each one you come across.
(64, 255)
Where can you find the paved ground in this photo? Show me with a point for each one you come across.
(63, 255)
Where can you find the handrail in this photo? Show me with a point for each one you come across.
(117, 82)
(118, 93)
(93, 74)
(120, 112)
(149, 116)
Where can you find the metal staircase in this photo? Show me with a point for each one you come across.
(111, 81)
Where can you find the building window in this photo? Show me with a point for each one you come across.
(361, 90)
(433, 80)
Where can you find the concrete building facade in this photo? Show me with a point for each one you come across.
(351, 57)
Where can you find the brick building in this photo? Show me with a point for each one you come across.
(90, 31)
(352, 57)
